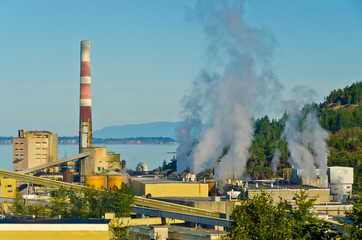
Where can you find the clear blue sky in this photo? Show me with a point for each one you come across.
(145, 55)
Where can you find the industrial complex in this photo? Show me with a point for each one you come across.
(166, 206)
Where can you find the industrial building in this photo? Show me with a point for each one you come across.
(56, 229)
(7, 190)
(152, 187)
(340, 182)
(34, 148)
(338, 179)
(287, 192)
(316, 179)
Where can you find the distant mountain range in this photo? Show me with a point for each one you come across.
(154, 129)
(154, 132)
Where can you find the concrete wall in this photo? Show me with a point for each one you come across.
(321, 195)
(19, 161)
(38, 150)
(177, 190)
(139, 188)
(212, 206)
(339, 191)
(95, 163)
(53, 147)
(333, 210)
(340, 175)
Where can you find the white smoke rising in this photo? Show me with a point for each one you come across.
(275, 160)
(317, 138)
(236, 83)
(306, 141)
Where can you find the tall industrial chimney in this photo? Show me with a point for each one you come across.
(85, 116)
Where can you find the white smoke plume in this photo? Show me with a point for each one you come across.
(307, 141)
(236, 84)
(275, 160)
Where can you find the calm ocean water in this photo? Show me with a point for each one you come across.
(150, 154)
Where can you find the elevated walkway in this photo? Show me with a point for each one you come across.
(187, 217)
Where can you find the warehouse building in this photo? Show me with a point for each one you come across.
(168, 188)
(34, 148)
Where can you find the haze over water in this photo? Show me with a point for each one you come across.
(150, 154)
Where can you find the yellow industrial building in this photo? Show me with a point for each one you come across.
(7, 190)
(55, 230)
(168, 188)
(34, 148)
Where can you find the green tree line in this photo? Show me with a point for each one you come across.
(262, 218)
(80, 204)
(344, 124)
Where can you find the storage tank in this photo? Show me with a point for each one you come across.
(141, 167)
(95, 181)
(68, 176)
(114, 180)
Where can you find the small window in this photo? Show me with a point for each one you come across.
(99, 169)
(9, 186)
(10, 190)
(21, 143)
(16, 143)
(16, 148)
(16, 154)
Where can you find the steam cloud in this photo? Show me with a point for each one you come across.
(275, 160)
(306, 142)
(236, 84)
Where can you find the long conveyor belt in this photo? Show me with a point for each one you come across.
(141, 201)
(57, 162)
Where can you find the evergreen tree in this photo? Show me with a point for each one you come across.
(354, 229)
(262, 218)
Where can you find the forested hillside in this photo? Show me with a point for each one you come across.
(340, 114)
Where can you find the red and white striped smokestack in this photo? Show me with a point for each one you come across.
(85, 118)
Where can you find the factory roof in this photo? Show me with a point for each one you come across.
(54, 221)
(145, 180)
(191, 199)
(281, 186)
